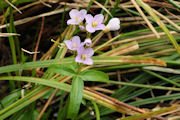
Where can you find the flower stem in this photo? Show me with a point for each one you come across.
(96, 110)
(88, 35)
(79, 68)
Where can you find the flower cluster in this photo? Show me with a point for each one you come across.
(83, 55)
(91, 25)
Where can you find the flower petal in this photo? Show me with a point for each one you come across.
(73, 13)
(89, 52)
(80, 50)
(99, 18)
(68, 44)
(89, 28)
(72, 22)
(88, 61)
(78, 59)
(82, 44)
(83, 13)
(100, 27)
(89, 18)
(76, 40)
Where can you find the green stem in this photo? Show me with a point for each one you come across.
(96, 110)
(11, 40)
(88, 35)
(115, 7)
(89, 6)
(143, 86)
(11, 83)
(79, 68)
(174, 4)
(62, 22)
(82, 114)
(172, 62)
(12, 45)
(162, 78)
(105, 4)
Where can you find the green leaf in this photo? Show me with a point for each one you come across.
(94, 75)
(67, 70)
(62, 113)
(36, 64)
(27, 114)
(10, 99)
(75, 97)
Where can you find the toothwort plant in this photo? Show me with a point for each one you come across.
(83, 51)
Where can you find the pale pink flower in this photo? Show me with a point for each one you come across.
(76, 16)
(83, 55)
(94, 23)
(74, 43)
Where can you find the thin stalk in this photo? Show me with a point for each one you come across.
(11, 83)
(96, 110)
(17, 44)
(12, 44)
(162, 78)
(83, 114)
(105, 4)
(89, 5)
(174, 4)
(144, 86)
(103, 7)
(115, 8)
(62, 22)
(11, 39)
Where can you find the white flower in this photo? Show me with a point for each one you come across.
(113, 25)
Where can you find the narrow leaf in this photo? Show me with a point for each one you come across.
(75, 97)
(66, 70)
(94, 75)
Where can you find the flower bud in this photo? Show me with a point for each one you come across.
(82, 28)
(88, 42)
(113, 25)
